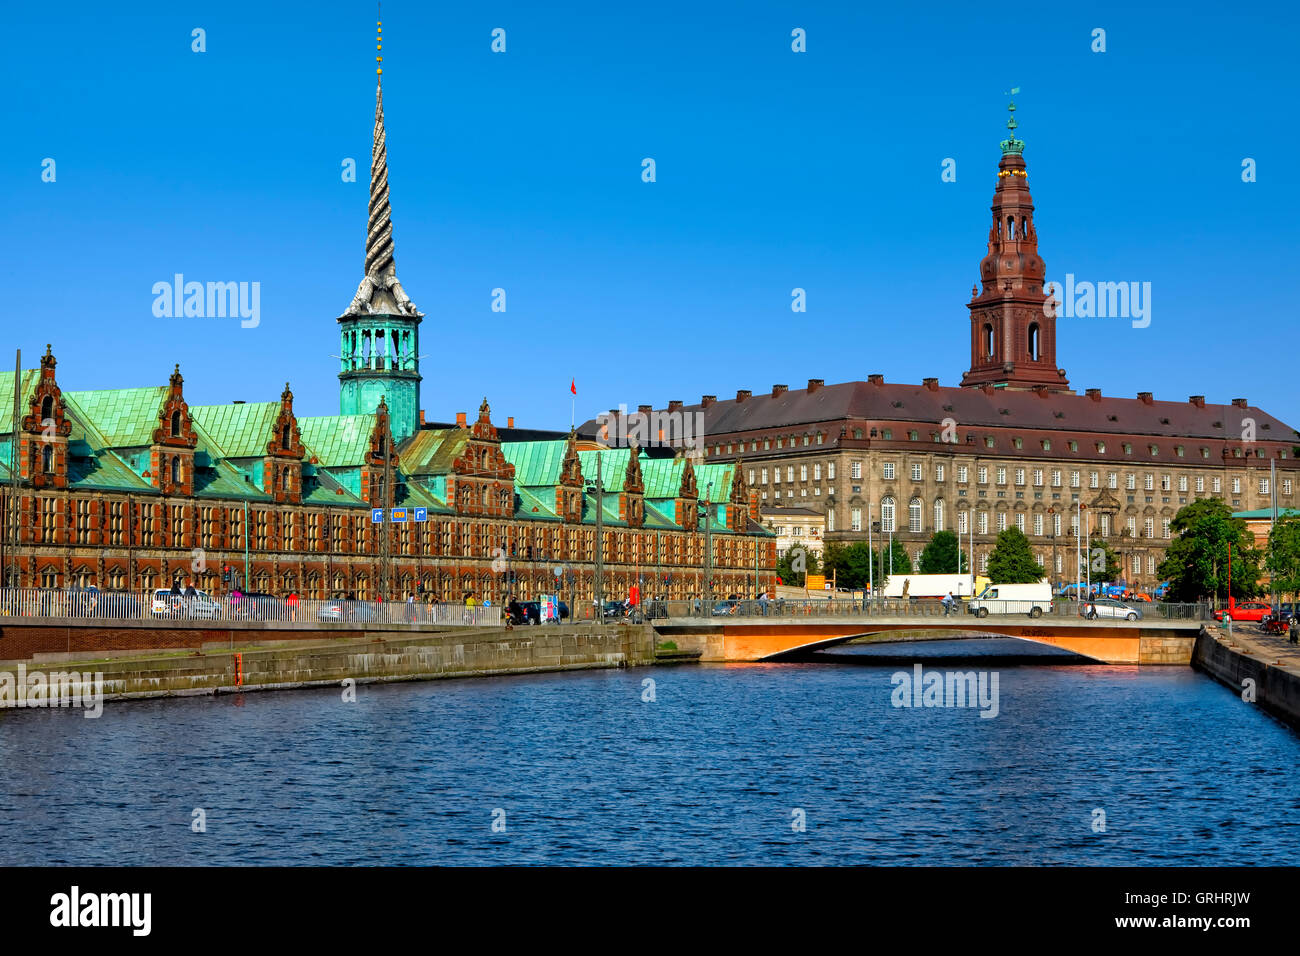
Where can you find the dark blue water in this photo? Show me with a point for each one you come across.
(709, 773)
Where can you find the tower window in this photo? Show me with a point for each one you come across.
(47, 408)
(1033, 341)
(176, 424)
(176, 470)
(988, 341)
(284, 438)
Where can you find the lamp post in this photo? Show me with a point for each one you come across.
(871, 554)
(1051, 536)
(708, 545)
(598, 594)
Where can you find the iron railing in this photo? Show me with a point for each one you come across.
(656, 610)
(161, 607)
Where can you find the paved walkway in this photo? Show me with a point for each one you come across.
(1250, 639)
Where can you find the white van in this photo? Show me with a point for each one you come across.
(1031, 599)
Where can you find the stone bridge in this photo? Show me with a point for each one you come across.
(758, 639)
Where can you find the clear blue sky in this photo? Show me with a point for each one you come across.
(775, 170)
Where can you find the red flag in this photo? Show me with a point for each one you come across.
(573, 386)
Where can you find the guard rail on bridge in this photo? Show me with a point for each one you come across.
(722, 610)
(28, 605)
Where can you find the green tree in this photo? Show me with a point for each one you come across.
(1196, 564)
(1012, 561)
(1283, 555)
(1103, 562)
(849, 565)
(795, 565)
(941, 555)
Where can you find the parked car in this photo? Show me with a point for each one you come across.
(1110, 607)
(613, 610)
(199, 606)
(1245, 611)
(345, 609)
(725, 608)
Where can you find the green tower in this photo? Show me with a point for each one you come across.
(380, 330)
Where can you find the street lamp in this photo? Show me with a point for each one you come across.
(708, 544)
(871, 554)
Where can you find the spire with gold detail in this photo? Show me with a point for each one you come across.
(380, 292)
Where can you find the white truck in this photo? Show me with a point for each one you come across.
(1031, 599)
(931, 585)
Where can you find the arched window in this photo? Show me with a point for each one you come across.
(1033, 341)
(914, 515)
(988, 340)
(284, 479)
(1011, 227)
(887, 513)
(47, 408)
(47, 459)
(176, 470)
(284, 438)
(938, 514)
(1024, 227)
(176, 424)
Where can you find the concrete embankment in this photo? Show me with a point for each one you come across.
(380, 656)
(1267, 662)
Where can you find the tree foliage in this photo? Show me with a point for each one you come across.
(1283, 555)
(941, 555)
(1012, 561)
(1196, 564)
(1103, 563)
(794, 566)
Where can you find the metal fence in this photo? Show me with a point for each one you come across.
(163, 607)
(655, 610)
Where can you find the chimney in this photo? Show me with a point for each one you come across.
(743, 393)
(1197, 400)
(707, 400)
(644, 409)
(814, 384)
(1094, 394)
(1145, 398)
(779, 390)
(675, 405)
(510, 421)
(422, 416)
(1240, 403)
(876, 379)
(460, 419)
(931, 384)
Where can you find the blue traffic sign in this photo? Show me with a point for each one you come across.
(421, 514)
(377, 515)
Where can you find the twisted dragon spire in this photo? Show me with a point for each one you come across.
(380, 292)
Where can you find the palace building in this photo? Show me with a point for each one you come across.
(134, 488)
(1012, 445)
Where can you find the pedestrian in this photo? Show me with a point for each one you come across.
(176, 588)
(410, 607)
(947, 604)
(190, 592)
(293, 605)
(762, 603)
(1294, 629)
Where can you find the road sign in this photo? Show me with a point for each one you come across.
(399, 515)
(420, 514)
(377, 515)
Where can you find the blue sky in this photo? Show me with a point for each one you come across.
(522, 170)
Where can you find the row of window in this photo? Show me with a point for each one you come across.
(1035, 524)
(1039, 476)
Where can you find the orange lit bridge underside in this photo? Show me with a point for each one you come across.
(1112, 642)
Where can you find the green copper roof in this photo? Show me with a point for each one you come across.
(720, 474)
(239, 431)
(613, 466)
(26, 384)
(125, 417)
(662, 477)
(537, 507)
(537, 463)
(431, 451)
(337, 440)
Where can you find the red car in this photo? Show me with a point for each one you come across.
(1246, 611)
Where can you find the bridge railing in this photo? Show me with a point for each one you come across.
(718, 610)
(28, 604)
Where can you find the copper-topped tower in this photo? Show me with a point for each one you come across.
(1012, 336)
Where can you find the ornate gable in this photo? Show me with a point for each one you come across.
(631, 501)
(688, 513)
(372, 471)
(44, 444)
(282, 467)
(171, 459)
(568, 493)
(482, 480)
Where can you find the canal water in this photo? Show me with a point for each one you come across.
(806, 763)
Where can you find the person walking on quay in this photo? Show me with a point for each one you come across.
(176, 588)
(292, 601)
(410, 607)
(1294, 630)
